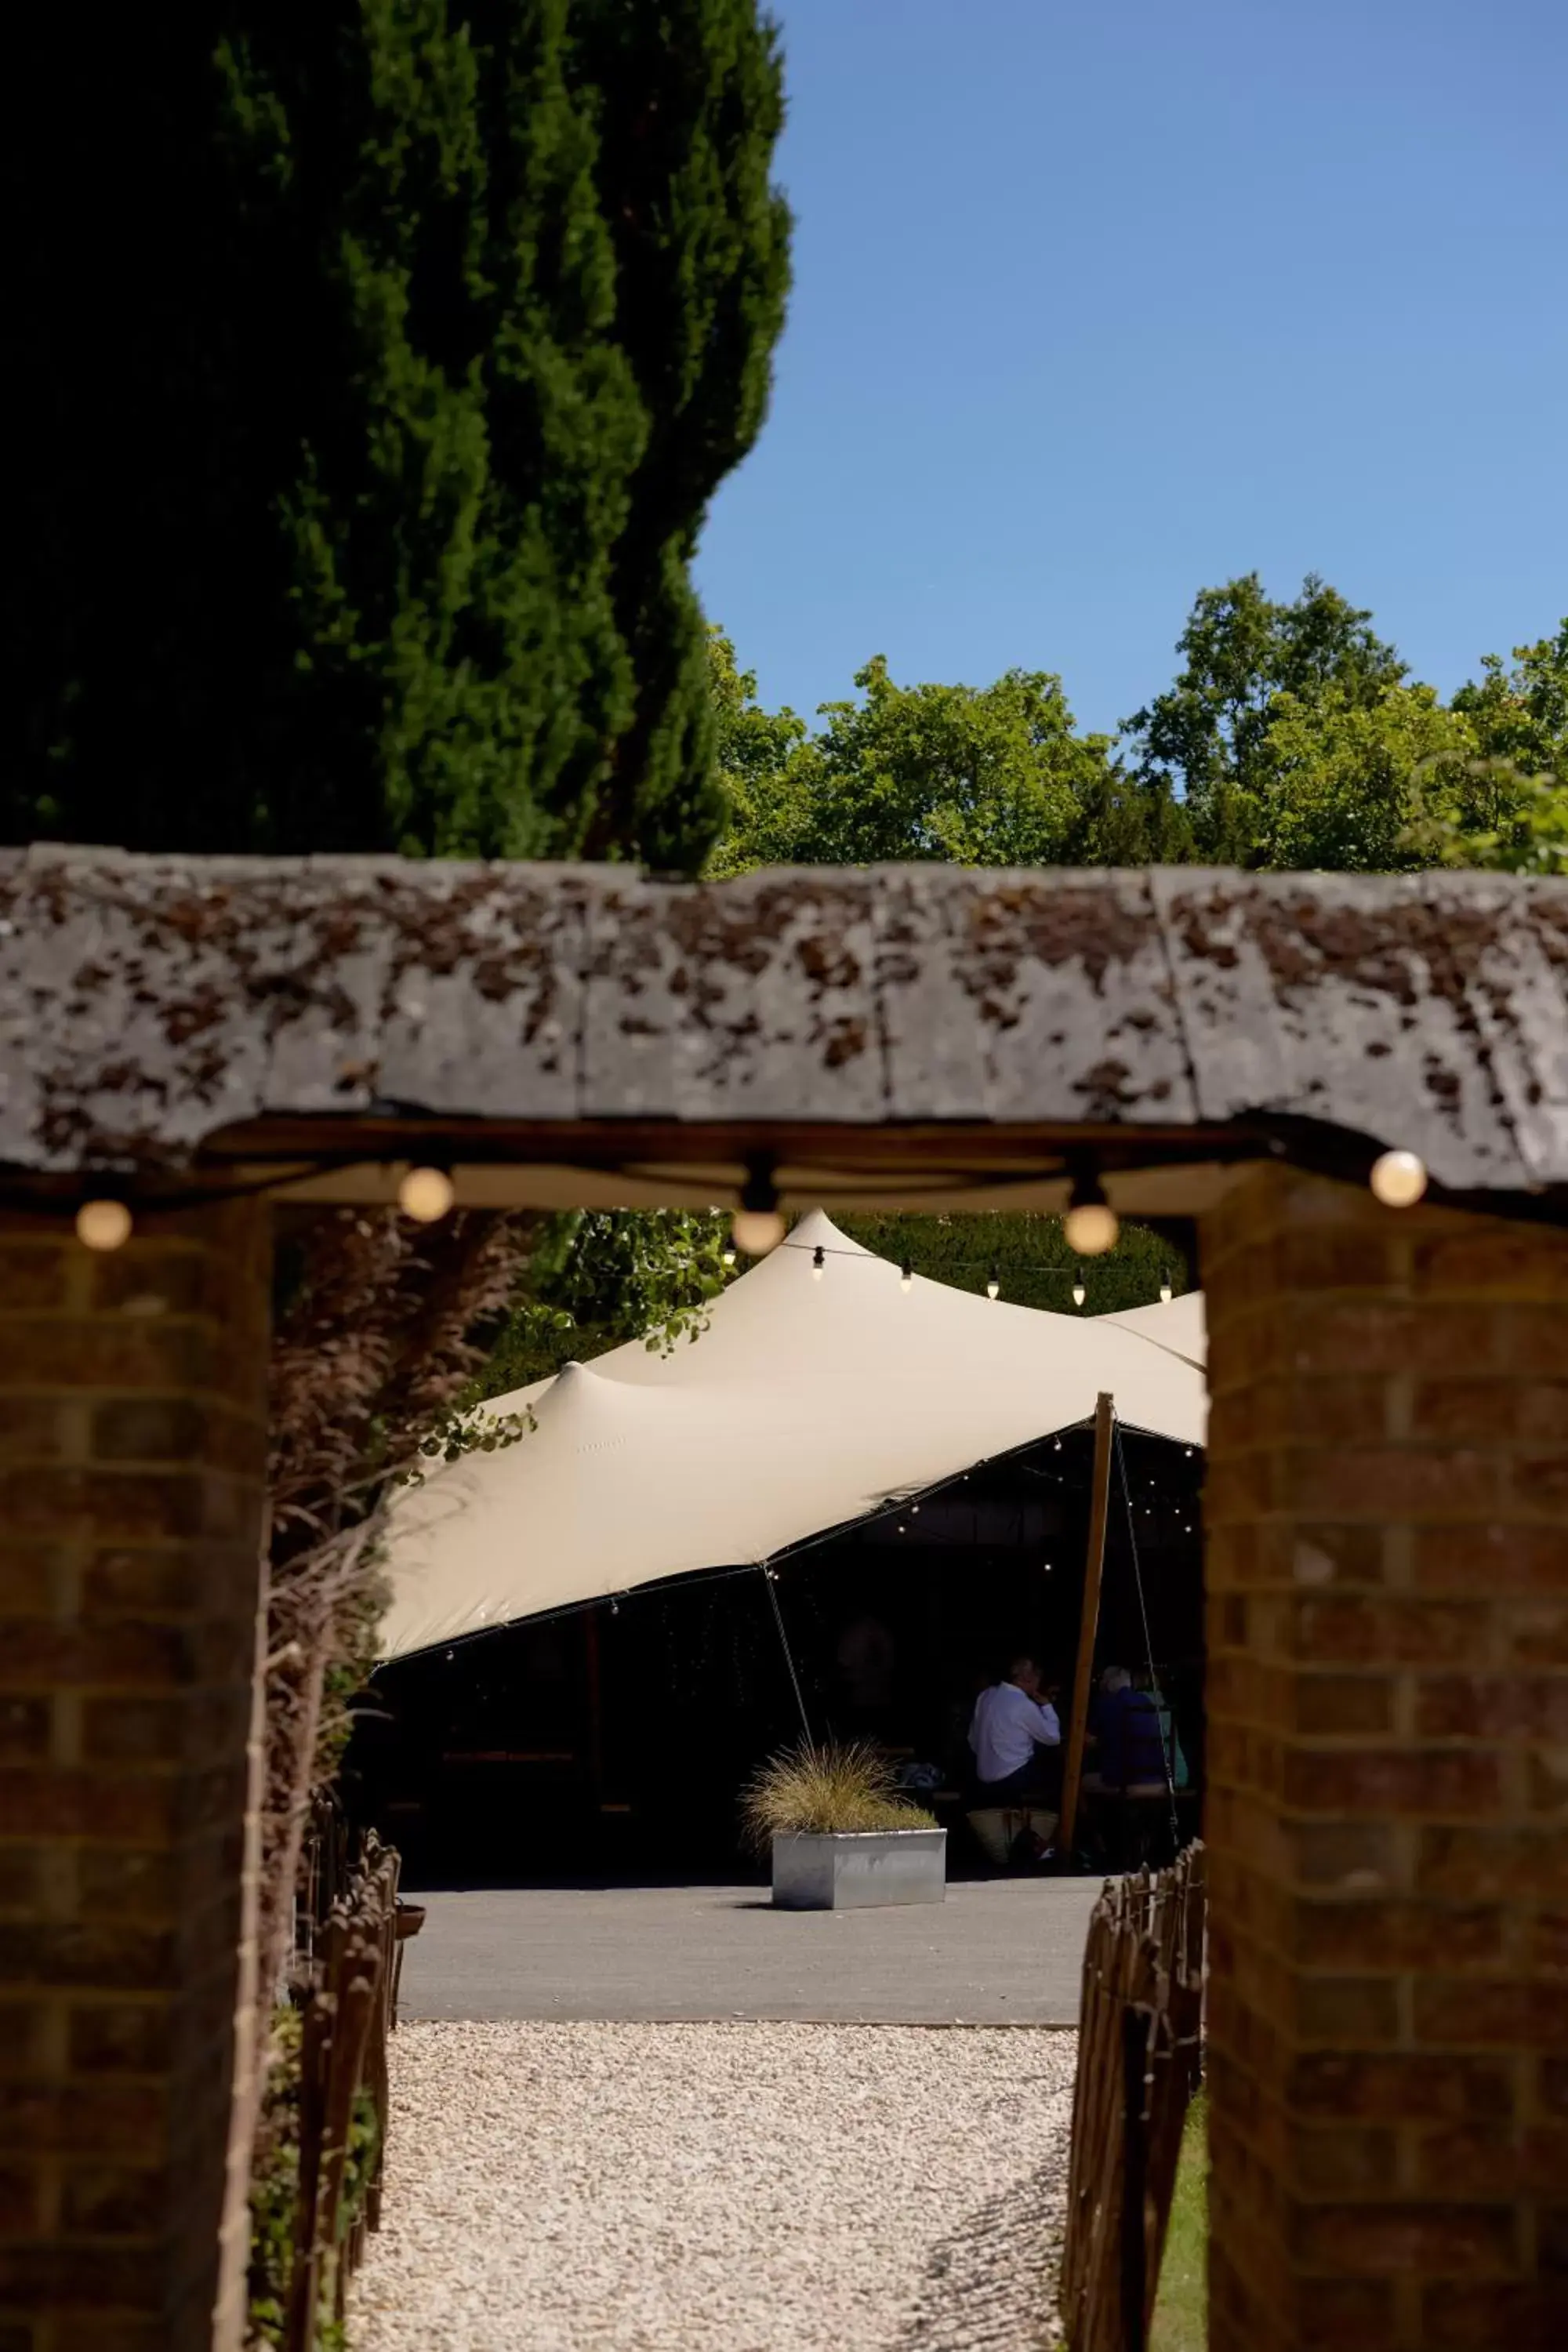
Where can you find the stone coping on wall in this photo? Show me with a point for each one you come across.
(159, 1011)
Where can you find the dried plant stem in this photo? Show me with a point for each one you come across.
(373, 1349)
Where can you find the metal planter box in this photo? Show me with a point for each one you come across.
(855, 1871)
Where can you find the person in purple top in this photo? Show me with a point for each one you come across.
(1124, 1735)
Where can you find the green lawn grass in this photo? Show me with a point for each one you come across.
(1181, 2311)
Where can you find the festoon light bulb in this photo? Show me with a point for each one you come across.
(1164, 1290)
(1399, 1178)
(993, 1283)
(1092, 1228)
(103, 1225)
(426, 1194)
(758, 1231)
(1090, 1225)
(1079, 1292)
(818, 1260)
(906, 1277)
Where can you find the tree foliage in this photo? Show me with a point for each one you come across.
(1510, 809)
(1342, 784)
(597, 1278)
(1206, 739)
(994, 775)
(377, 360)
(1291, 738)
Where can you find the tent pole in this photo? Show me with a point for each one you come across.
(1094, 1568)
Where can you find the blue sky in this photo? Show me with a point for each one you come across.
(1099, 302)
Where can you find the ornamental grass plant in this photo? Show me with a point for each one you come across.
(811, 1791)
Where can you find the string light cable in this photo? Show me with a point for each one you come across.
(1073, 1272)
(770, 1577)
(1399, 1178)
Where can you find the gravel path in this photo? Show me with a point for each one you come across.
(576, 2188)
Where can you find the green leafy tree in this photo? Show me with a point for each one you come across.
(377, 361)
(597, 1278)
(1293, 739)
(765, 765)
(1205, 739)
(1520, 715)
(963, 775)
(1342, 786)
(1124, 818)
(1509, 809)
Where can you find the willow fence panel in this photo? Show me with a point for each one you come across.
(348, 1963)
(1139, 2063)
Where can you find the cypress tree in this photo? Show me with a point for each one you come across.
(378, 359)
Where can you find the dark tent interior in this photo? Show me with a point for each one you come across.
(612, 1740)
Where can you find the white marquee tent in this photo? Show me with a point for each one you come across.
(813, 1398)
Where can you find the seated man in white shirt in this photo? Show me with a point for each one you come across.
(1011, 1724)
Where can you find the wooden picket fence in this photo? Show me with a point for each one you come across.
(347, 1977)
(1139, 2061)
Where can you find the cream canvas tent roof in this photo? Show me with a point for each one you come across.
(811, 1401)
(1178, 1327)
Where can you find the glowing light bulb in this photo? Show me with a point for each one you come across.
(994, 1284)
(1090, 1228)
(907, 1277)
(103, 1225)
(1079, 1292)
(727, 1255)
(1399, 1178)
(1164, 1290)
(758, 1231)
(818, 1260)
(426, 1194)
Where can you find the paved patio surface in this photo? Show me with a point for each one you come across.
(997, 1952)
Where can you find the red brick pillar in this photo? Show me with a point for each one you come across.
(1387, 1547)
(132, 1450)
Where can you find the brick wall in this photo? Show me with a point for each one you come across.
(1387, 1562)
(132, 1448)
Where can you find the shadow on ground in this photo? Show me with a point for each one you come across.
(990, 2286)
